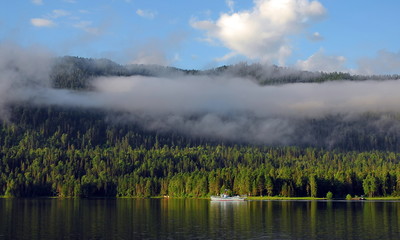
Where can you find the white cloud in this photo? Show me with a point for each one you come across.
(46, 21)
(146, 13)
(83, 24)
(57, 13)
(42, 22)
(151, 56)
(384, 62)
(87, 27)
(322, 62)
(231, 5)
(316, 37)
(157, 51)
(263, 32)
(151, 52)
(177, 57)
(226, 57)
(37, 2)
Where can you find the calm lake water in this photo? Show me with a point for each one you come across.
(196, 219)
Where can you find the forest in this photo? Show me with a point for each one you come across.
(81, 152)
(76, 72)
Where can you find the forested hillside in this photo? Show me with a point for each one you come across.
(53, 150)
(76, 73)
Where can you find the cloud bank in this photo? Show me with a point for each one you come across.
(384, 62)
(212, 106)
(235, 109)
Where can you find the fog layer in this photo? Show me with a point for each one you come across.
(221, 107)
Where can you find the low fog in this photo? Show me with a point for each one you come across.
(215, 106)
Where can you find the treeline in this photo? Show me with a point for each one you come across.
(68, 152)
(76, 72)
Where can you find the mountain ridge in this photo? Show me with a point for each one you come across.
(75, 72)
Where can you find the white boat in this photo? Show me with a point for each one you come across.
(227, 198)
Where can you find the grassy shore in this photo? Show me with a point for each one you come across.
(383, 198)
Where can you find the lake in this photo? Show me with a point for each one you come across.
(197, 219)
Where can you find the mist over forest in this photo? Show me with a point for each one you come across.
(237, 104)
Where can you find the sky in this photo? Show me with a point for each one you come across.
(357, 36)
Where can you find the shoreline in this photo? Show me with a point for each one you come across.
(253, 198)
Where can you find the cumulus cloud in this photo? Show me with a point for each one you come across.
(322, 62)
(42, 22)
(146, 13)
(263, 32)
(384, 62)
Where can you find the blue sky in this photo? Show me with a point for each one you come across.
(329, 35)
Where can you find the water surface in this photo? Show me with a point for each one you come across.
(196, 219)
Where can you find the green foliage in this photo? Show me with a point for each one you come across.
(329, 195)
(348, 197)
(76, 153)
(313, 186)
(370, 185)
